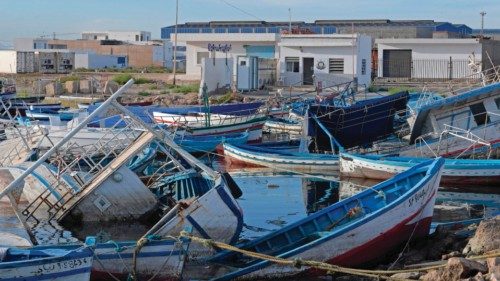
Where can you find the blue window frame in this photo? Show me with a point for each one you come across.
(233, 30)
(246, 30)
(220, 30)
(260, 30)
(207, 30)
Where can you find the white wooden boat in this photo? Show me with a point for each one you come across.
(352, 232)
(45, 264)
(455, 172)
(247, 155)
(458, 125)
(214, 215)
(280, 125)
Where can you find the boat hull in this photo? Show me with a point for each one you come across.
(453, 172)
(75, 266)
(404, 216)
(215, 215)
(240, 157)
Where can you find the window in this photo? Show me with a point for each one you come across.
(363, 67)
(200, 56)
(336, 66)
(137, 38)
(497, 101)
(479, 112)
(292, 64)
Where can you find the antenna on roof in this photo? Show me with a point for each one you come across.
(483, 13)
(289, 21)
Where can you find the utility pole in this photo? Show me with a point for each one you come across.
(483, 13)
(175, 38)
(289, 21)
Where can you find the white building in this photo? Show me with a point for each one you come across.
(127, 36)
(30, 44)
(428, 58)
(331, 59)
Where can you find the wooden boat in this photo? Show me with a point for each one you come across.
(7, 89)
(281, 125)
(281, 160)
(458, 125)
(213, 215)
(51, 263)
(203, 144)
(456, 171)
(357, 124)
(352, 232)
(158, 259)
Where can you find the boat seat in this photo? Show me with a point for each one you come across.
(307, 239)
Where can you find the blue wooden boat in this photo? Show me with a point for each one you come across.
(354, 125)
(203, 144)
(471, 172)
(352, 232)
(50, 263)
(181, 186)
(280, 160)
(162, 259)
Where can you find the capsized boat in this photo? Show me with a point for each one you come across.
(281, 160)
(463, 124)
(456, 171)
(51, 263)
(351, 232)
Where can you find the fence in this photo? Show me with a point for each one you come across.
(431, 69)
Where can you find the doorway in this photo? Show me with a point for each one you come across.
(397, 63)
(308, 71)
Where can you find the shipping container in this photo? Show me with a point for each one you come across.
(25, 62)
(47, 62)
(65, 62)
(8, 61)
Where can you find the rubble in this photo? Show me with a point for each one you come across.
(486, 238)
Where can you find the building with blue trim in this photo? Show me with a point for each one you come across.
(376, 28)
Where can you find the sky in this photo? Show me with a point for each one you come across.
(33, 18)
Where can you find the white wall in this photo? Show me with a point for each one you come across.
(439, 50)
(216, 73)
(96, 61)
(199, 43)
(8, 61)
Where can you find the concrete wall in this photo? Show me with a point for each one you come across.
(491, 51)
(8, 61)
(431, 56)
(216, 73)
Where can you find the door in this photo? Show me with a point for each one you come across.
(397, 63)
(308, 71)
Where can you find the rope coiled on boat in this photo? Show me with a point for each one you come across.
(330, 268)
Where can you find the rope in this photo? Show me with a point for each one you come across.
(298, 263)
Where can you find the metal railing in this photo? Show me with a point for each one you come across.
(425, 69)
